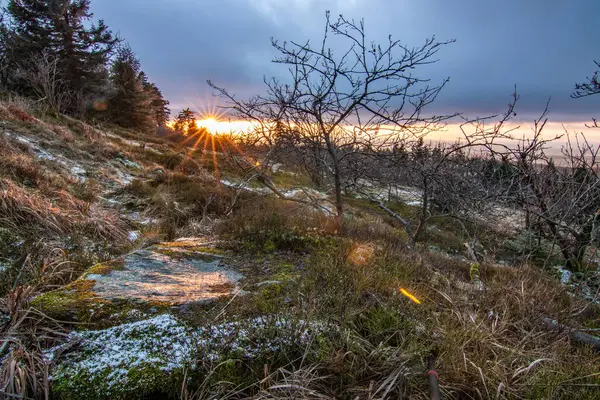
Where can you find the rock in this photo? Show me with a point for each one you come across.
(78, 173)
(123, 361)
(121, 178)
(565, 274)
(151, 358)
(276, 167)
(565, 277)
(158, 277)
(128, 163)
(166, 275)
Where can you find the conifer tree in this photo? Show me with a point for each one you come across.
(129, 103)
(158, 103)
(134, 102)
(61, 28)
(186, 122)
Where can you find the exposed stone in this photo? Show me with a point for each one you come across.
(128, 163)
(150, 357)
(168, 275)
(155, 278)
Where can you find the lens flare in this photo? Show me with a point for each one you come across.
(410, 296)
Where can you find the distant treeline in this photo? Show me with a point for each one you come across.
(55, 53)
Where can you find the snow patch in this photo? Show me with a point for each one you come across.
(78, 173)
(164, 346)
(134, 235)
(105, 357)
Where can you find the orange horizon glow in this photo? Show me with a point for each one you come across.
(450, 132)
(213, 117)
(219, 127)
(212, 121)
(214, 126)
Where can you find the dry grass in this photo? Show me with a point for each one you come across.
(20, 208)
(490, 341)
(57, 213)
(24, 373)
(17, 109)
(266, 224)
(183, 204)
(496, 337)
(44, 218)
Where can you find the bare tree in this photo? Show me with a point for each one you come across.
(42, 74)
(343, 102)
(441, 179)
(435, 179)
(561, 193)
(589, 88)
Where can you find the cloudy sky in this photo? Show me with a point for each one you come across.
(542, 46)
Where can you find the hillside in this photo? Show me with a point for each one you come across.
(134, 266)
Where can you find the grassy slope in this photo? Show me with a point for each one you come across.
(489, 342)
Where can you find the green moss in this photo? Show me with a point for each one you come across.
(78, 303)
(269, 299)
(68, 303)
(144, 381)
(474, 273)
(190, 247)
(285, 272)
(107, 267)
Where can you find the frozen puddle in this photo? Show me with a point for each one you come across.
(174, 273)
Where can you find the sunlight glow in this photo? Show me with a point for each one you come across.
(210, 124)
(217, 127)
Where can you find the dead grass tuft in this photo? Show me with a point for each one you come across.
(20, 208)
(489, 339)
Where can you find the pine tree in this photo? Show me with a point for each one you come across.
(130, 104)
(32, 26)
(83, 52)
(186, 122)
(158, 103)
(61, 28)
(26, 35)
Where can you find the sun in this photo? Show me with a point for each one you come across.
(210, 124)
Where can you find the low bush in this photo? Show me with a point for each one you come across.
(285, 226)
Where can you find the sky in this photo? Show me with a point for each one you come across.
(541, 46)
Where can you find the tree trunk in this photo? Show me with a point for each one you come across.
(424, 208)
(339, 202)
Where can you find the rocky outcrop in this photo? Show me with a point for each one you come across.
(155, 278)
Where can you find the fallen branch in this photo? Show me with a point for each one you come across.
(576, 335)
(405, 223)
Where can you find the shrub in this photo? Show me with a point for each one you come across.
(285, 226)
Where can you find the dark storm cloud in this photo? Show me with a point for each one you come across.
(542, 46)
